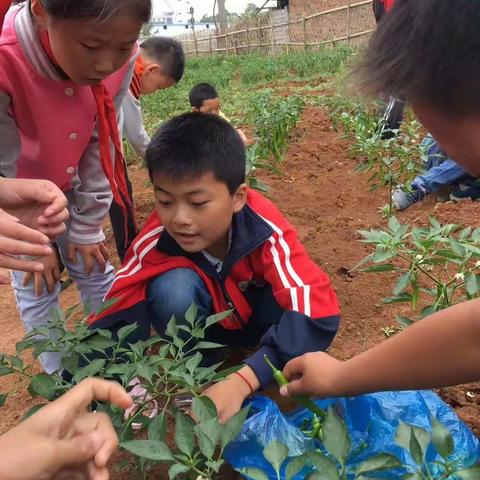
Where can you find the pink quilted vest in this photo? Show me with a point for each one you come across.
(55, 119)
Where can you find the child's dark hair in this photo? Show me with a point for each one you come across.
(193, 144)
(97, 9)
(201, 92)
(168, 53)
(427, 50)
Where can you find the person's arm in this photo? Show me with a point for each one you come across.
(441, 350)
(64, 440)
(93, 197)
(303, 290)
(133, 126)
(309, 322)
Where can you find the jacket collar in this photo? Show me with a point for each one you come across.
(249, 231)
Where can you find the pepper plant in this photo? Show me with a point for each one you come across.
(167, 369)
(274, 119)
(334, 457)
(436, 266)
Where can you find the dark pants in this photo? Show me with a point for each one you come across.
(174, 292)
(117, 220)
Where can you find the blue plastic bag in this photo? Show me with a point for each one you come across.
(372, 421)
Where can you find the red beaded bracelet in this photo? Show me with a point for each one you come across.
(245, 379)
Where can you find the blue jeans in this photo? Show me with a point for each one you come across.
(441, 171)
(173, 292)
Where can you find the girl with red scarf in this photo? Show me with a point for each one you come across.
(64, 70)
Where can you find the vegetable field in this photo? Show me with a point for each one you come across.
(317, 156)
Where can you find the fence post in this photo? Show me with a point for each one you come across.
(227, 42)
(273, 33)
(210, 42)
(196, 42)
(260, 40)
(248, 39)
(348, 22)
(304, 31)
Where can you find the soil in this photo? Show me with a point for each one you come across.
(323, 197)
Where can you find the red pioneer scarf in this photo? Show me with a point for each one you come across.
(107, 131)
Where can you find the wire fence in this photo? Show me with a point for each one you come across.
(277, 31)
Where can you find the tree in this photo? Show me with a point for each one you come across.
(251, 9)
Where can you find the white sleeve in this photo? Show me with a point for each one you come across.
(133, 127)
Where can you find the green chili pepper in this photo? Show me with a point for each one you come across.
(316, 428)
(300, 399)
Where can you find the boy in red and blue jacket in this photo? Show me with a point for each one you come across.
(214, 242)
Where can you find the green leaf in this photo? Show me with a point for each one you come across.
(204, 409)
(384, 267)
(44, 386)
(442, 439)
(254, 473)
(33, 411)
(471, 284)
(403, 283)
(413, 439)
(100, 343)
(382, 461)
(149, 449)
(6, 371)
(276, 453)
(337, 441)
(470, 473)
(233, 427)
(3, 398)
(382, 256)
(207, 434)
(214, 319)
(402, 298)
(393, 224)
(193, 362)
(413, 476)
(146, 372)
(215, 465)
(126, 331)
(403, 321)
(157, 430)
(326, 468)
(191, 314)
(207, 345)
(294, 466)
(176, 470)
(184, 437)
(172, 329)
(89, 370)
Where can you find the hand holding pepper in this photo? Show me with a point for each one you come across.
(229, 395)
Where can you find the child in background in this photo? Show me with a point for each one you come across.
(441, 79)
(214, 242)
(160, 65)
(64, 69)
(204, 98)
(442, 174)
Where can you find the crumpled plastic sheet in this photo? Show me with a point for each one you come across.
(372, 419)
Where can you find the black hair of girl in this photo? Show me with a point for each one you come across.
(97, 9)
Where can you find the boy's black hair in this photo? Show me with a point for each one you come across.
(201, 92)
(193, 144)
(427, 50)
(168, 53)
(97, 9)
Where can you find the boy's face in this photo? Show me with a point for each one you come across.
(154, 79)
(197, 212)
(211, 105)
(458, 136)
